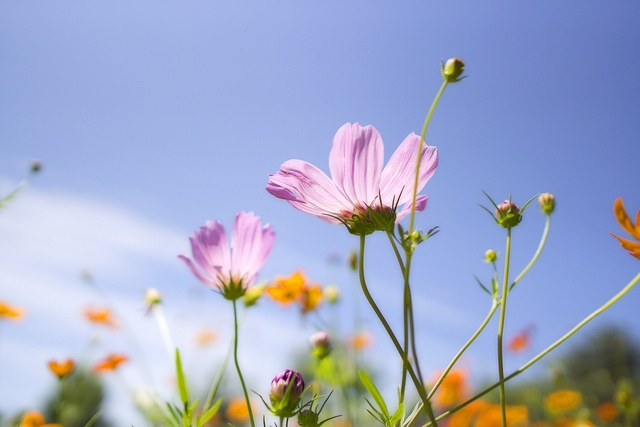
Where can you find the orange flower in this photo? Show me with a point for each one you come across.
(628, 226)
(491, 416)
(520, 341)
(35, 419)
(205, 336)
(61, 369)
(361, 340)
(10, 312)
(110, 363)
(101, 316)
(607, 412)
(463, 417)
(563, 401)
(453, 388)
(237, 410)
(310, 297)
(286, 290)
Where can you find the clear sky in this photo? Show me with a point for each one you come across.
(153, 117)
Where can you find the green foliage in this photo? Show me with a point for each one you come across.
(77, 400)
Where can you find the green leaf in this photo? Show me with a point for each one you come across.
(209, 413)
(371, 388)
(93, 419)
(397, 416)
(182, 384)
(482, 286)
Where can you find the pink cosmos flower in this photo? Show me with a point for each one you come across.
(359, 186)
(230, 268)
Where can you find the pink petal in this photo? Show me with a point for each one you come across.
(308, 189)
(421, 204)
(250, 245)
(398, 176)
(204, 279)
(355, 162)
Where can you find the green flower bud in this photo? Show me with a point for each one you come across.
(152, 297)
(508, 214)
(252, 295)
(547, 202)
(452, 70)
(286, 389)
(490, 256)
(331, 293)
(320, 344)
(35, 166)
(307, 418)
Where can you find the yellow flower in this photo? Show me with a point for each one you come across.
(10, 312)
(286, 290)
(628, 226)
(563, 401)
(310, 297)
(61, 369)
(237, 411)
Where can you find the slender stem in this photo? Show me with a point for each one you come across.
(503, 307)
(464, 348)
(419, 387)
(546, 351)
(423, 135)
(235, 359)
(158, 313)
(543, 240)
(396, 252)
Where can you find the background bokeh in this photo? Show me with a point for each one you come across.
(152, 117)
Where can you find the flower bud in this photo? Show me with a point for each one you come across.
(320, 344)
(285, 392)
(508, 214)
(331, 293)
(452, 70)
(308, 418)
(353, 261)
(35, 166)
(252, 295)
(490, 256)
(547, 202)
(152, 297)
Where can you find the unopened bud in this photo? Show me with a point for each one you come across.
(152, 297)
(252, 295)
(35, 165)
(331, 293)
(547, 202)
(320, 344)
(490, 256)
(452, 70)
(307, 418)
(286, 389)
(508, 214)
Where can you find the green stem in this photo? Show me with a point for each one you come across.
(543, 240)
(419, 387)
(484, 323)
(503, 308)
(235, 360)
(423, 135)
(546, 351)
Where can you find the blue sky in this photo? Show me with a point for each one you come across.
(151, 118)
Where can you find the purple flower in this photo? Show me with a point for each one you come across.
(230, 268)
(360, 193)
(286, 389)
